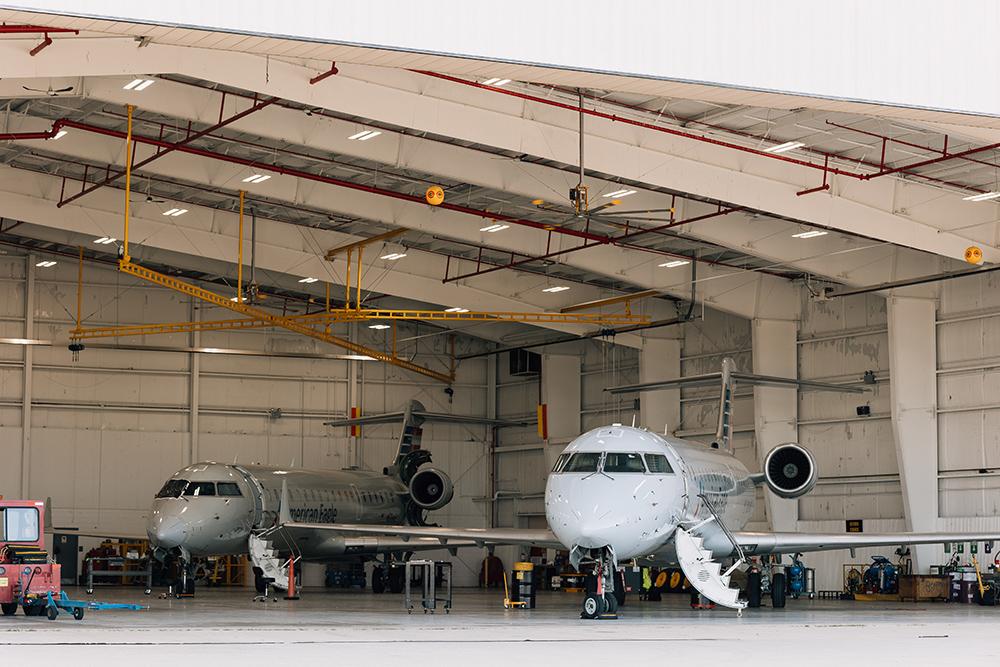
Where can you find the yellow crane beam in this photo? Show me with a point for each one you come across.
(352, 314)
(303, 328)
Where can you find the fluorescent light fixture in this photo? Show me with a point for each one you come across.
(46, 263)
(456, 309)
(985, 196)
(393, 256)
(493, 228)
(234, 298)
(139, 84)
(496, 81)
(105, 240)
(787, 146)
(60, 134)
(309, 280)
(378, 326)
(557, 288)
(256, 178)
(358, 357)
(675, 263)
(620, 193)
(365, 135)
(174, 212)
(812, 233)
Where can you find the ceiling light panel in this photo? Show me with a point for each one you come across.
(494, 228)
(985, 196)
(139, 84)
(787, 146)
(365, 135)
(174, 212)
(811, 234)
(620, 193)
(675, 263)
(378, 327)
(46, 263)
(309, 280)
(456, 309)
(557, 288)
(393, 256)
(256, 178)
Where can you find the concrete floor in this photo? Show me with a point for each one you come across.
(223, 625)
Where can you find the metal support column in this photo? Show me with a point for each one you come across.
(913, 362)
(26, 390)
(194, 387)
(776, 408)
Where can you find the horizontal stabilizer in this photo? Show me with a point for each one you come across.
(712, 379)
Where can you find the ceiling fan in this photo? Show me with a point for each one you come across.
(50, 91)
(150, 199)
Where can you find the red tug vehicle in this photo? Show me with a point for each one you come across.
(28, 577)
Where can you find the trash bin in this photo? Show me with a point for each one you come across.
(524, 588)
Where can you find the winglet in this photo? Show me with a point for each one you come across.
(284, 511)
(722, 434)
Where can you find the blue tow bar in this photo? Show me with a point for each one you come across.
(77, 607)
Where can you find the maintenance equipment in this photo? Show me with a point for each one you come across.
(433, 575)
(29, 578)
(881, 577)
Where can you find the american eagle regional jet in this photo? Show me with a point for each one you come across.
(618, 493)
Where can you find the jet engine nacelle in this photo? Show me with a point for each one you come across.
(790, 470)
(431, 489)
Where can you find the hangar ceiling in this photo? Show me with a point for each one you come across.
(758, 198)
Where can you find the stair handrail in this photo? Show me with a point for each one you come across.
(725, 530)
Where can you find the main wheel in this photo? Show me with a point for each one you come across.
(778, 590)
(51, 612)
(753, 588)
(397, 579)
(78, 613)
(8, 608)
(619, 589)
(378, 580)
(593, 606)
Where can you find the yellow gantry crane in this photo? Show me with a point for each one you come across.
(315, 325)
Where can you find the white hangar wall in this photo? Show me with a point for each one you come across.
(107, 430)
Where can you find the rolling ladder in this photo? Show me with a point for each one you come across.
(700, 567)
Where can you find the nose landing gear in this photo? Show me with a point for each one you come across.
(601, 602)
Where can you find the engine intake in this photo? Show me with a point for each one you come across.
(790, 470)
(431, 489)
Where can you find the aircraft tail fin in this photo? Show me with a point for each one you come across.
(724, 432)
(412, 431)
(284, 511)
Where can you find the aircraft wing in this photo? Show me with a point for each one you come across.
(755, 543)
(444, 537)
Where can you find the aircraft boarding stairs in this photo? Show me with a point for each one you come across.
(264, 555)
(700, 567)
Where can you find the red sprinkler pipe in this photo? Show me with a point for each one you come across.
(648, 126)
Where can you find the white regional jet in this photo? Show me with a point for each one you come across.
(619, 493)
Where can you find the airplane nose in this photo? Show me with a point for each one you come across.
(167, 533)
(593, 536)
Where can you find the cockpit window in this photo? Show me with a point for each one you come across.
(173, 488)
(560, 463)
(623, 462)
(657, 463)
(200, 489)
(228, 489)
(583, 462)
